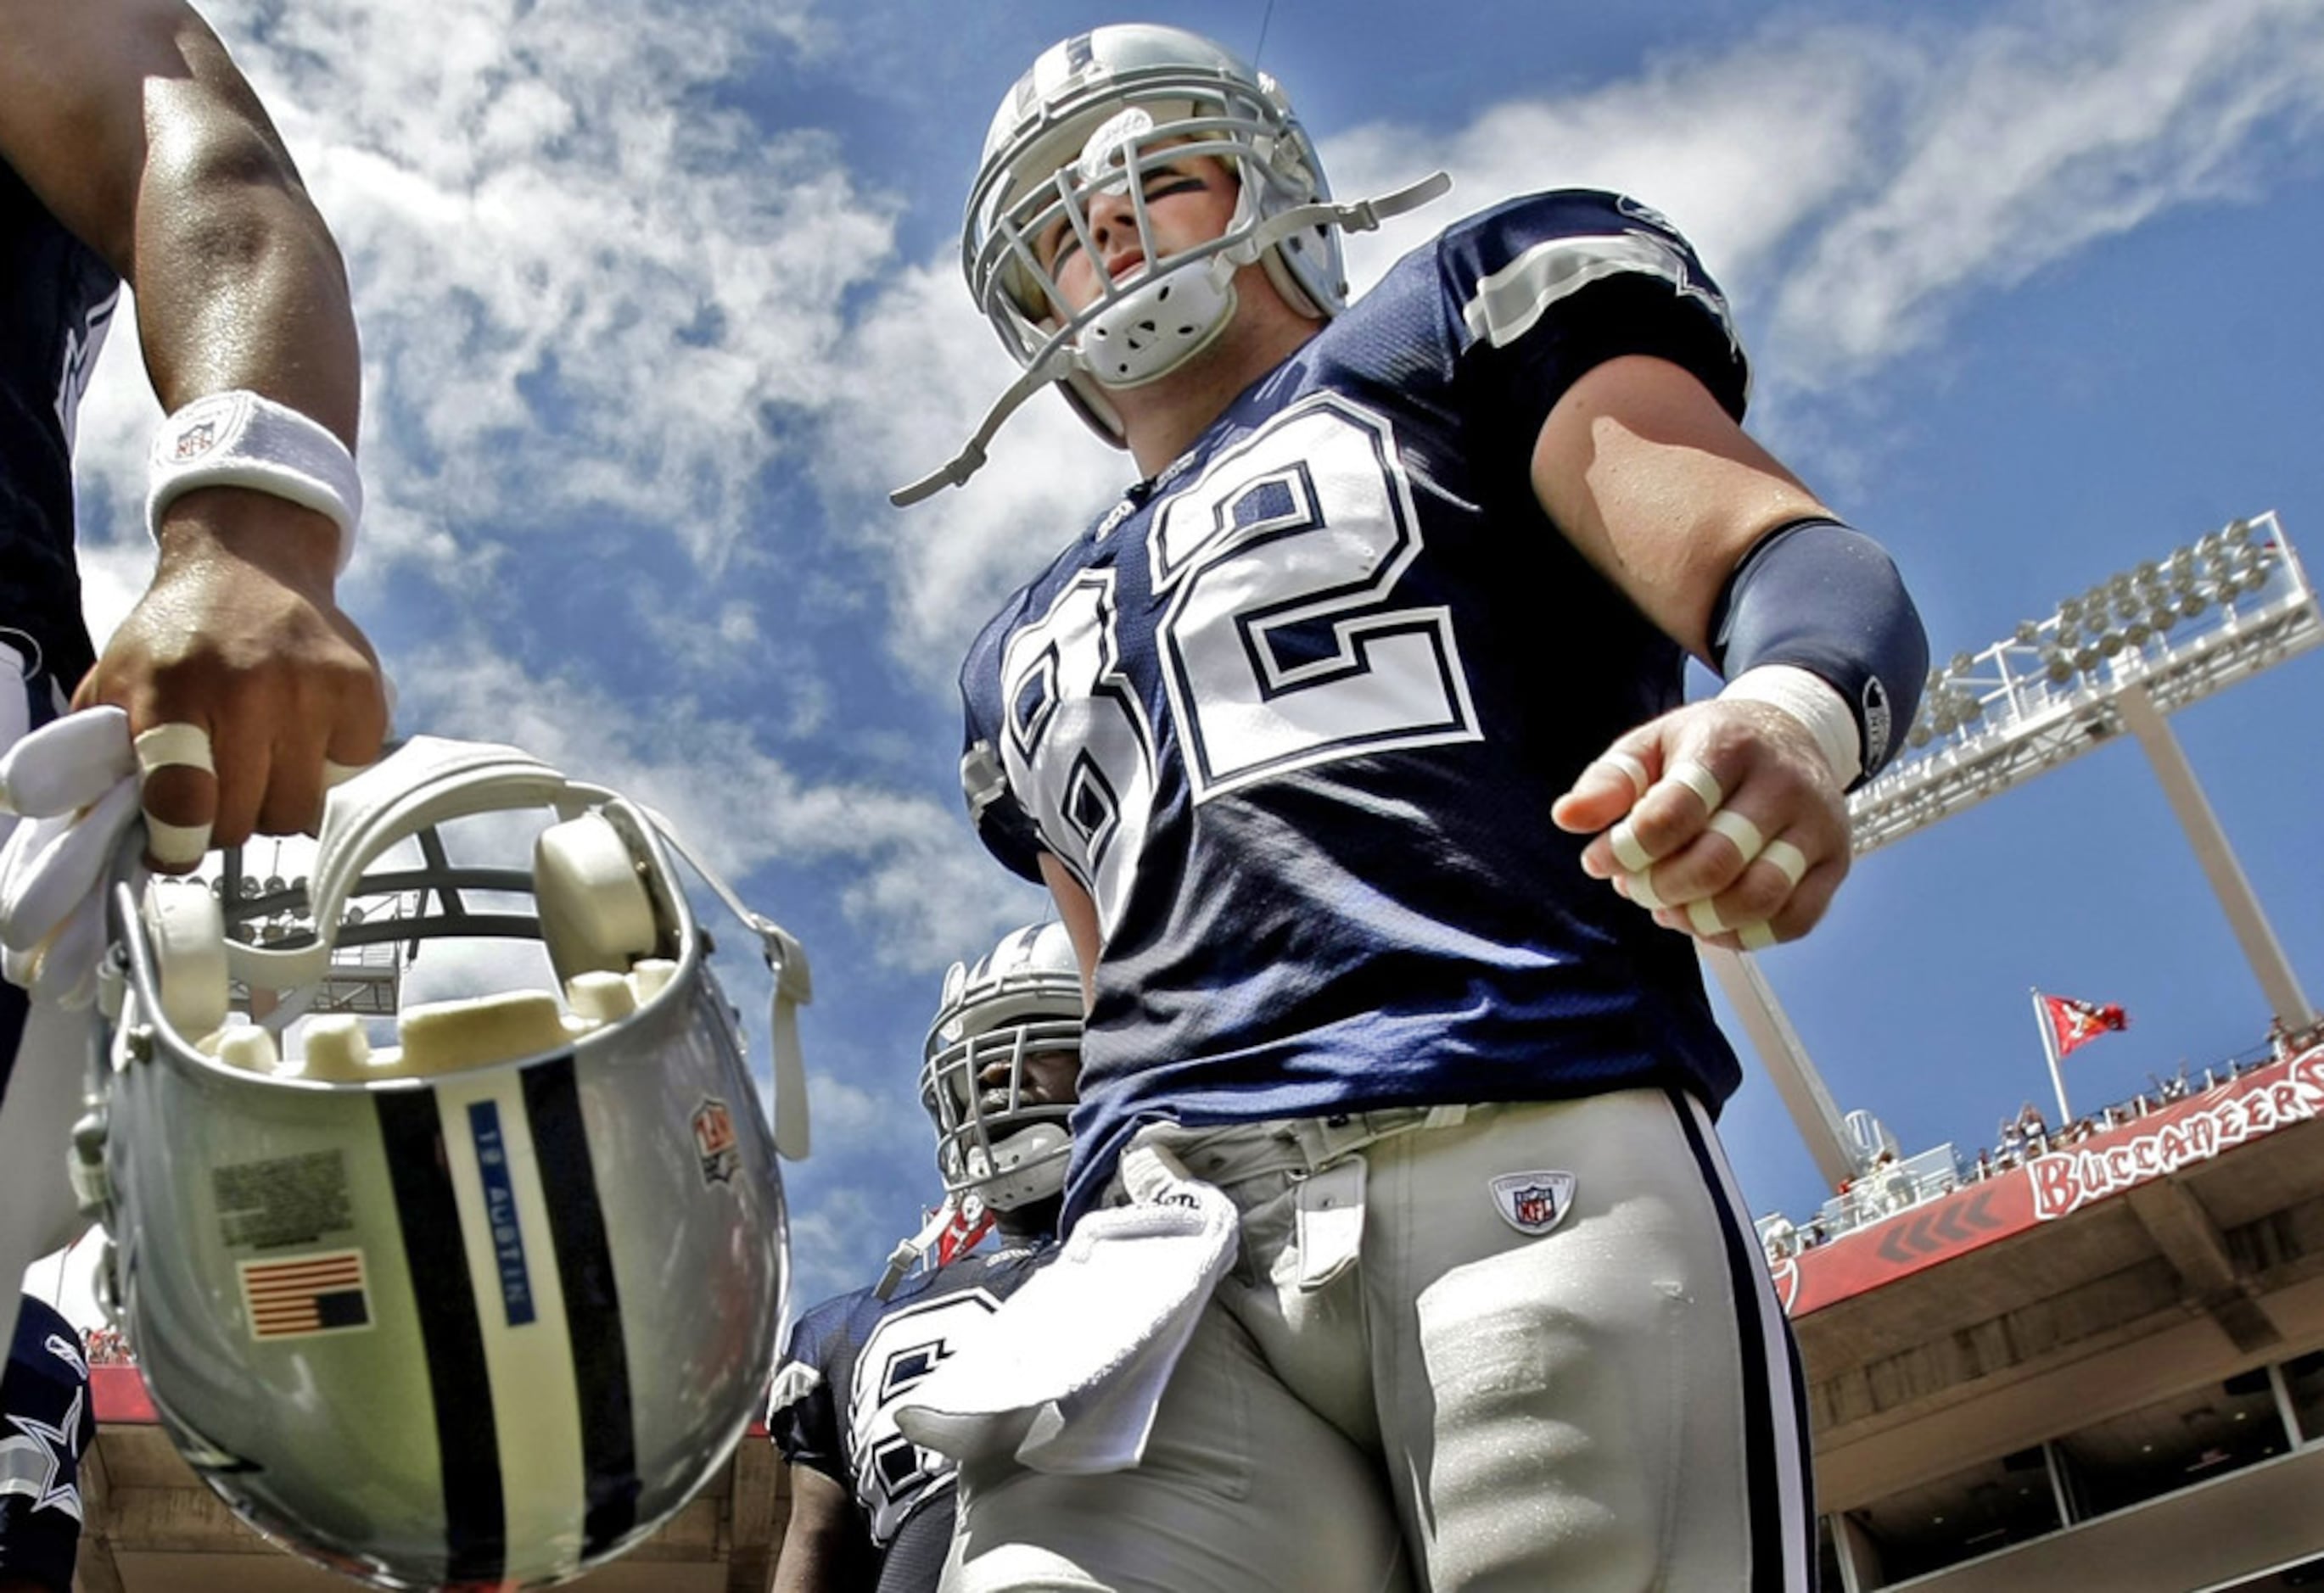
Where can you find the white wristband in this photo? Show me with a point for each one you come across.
(244, 439)
(1815, 703)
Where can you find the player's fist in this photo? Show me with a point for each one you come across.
(242, 679)
(1721, 818)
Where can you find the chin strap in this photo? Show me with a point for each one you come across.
(1062, 357)
(794, 988)
(909, 1253)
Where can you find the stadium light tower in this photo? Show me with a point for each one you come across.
(2137, 646)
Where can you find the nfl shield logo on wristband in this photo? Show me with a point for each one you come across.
(1533, 1202)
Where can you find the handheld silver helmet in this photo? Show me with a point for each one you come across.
(996, 1138)
(484, 1306)
(1097, 112)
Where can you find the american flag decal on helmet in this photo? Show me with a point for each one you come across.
(323, 1292)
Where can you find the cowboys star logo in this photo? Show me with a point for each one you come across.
(29, 1462)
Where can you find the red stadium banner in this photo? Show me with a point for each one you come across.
(2077, 1022)
(2056, 1184)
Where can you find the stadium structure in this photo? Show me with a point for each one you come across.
(2090, 1360)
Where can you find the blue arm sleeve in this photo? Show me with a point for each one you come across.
(1816, 594)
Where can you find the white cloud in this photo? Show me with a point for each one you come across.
(2032, 139)
(585, 281)
(924, 367)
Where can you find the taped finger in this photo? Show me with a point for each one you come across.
(1704, 917)
(1788, 859)
(1641, 890)
(1754, 935)
(1739, 829)
(1633, 767)
(1697, 777)
(175, 745)
(1633, 857)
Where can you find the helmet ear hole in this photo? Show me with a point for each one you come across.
(596, 912)
(189, 940)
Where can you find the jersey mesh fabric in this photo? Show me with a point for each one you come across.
(1297, 710)
(866, 1354)
(56, 298)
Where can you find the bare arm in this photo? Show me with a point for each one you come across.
(1663, 493)
(823, 1541)
(1078, 914)
(131, 122)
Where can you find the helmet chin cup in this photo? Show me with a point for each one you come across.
(1165, 322)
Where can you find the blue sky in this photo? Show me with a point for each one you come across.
(659, 298)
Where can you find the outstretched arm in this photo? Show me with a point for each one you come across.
(1724, 817)
(130, 122)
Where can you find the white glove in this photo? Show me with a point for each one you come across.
(75, 782)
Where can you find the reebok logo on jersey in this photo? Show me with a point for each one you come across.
(1533, 1202)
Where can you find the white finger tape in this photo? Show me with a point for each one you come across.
(1788, 859)
(1705, 918)
(1754, 935)
(339, 774)
(1695, 777)
(175, 745)
(175, 845)
(1739, 829)
(1641, 887)
(1632, 766)
(1627, 850)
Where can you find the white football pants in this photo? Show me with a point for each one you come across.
(1396, 1386)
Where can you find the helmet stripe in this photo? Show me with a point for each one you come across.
(507, 1244)
(467, 1437)
(593, 1303)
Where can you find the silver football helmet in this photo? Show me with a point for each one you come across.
(995, 1138)
(1095, 113)
(483, 1306)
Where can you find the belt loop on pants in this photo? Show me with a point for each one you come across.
(1324, 1141)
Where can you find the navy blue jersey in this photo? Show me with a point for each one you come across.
(1297, 711)
(46, 1426)
(56, 302)
(852, 1360)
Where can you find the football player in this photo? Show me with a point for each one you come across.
(869, 1508)
(131, 151)
(1352, 744)
(46, 1426)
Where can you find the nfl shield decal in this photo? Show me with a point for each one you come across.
(1533, 1202)
(714, 1140)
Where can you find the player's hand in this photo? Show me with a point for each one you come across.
(238, 655)
(1721, 817)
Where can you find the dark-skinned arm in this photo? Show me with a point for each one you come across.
(131, 122)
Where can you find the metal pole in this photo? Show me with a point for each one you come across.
(2049, 1050)
(1795, 1079)
(2260, 947)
